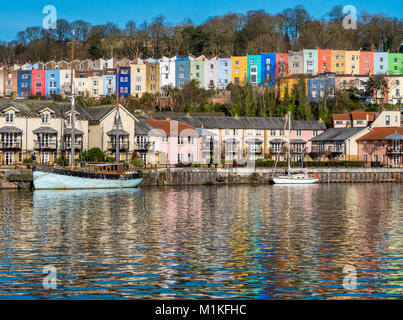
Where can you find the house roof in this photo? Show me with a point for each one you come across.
(337, 134)
(142, 127)
(358, 115)
(115, 132)
(78, 132)
(166, 126)
(204, 132)
(381, 133)
(340, 116)
(97, 113)
(45, 130)
(10, 129)
(219, 122)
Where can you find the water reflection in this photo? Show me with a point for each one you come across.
(203, 242)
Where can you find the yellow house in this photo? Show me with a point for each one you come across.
(239, 70)
(338, 61)
(138, 74)
(352, 62)
(95, 83)
(288, 83)
(152, 76)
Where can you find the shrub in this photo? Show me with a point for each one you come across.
(92, 155)
(26, 160)
(138, 162)
(62, 161)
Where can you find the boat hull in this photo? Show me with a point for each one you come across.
(294, 181)
(64, 179)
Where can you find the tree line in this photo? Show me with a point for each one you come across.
(231, 34)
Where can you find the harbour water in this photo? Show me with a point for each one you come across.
(222, 242)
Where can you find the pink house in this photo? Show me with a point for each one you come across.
(178, 141)
(301, 138)
(39, 82)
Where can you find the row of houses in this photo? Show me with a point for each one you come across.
(42, 130)
(136, 77)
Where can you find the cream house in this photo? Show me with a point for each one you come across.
(395, 86)
(42, 129)
(138, 75)
(95, 85)
(107, 131)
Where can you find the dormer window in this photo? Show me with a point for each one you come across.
(45, 118)
(69, 119)
(9, 116)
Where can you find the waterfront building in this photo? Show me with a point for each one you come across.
(324, 61)
(167, 73)
(338, 61)
(39, 82)
(352, 62)
(145, 139)
(295, 62)
(224, 72)
(254, 69)
(41, 128)
(109, 82)
(103, 133)
(65, 81)
(321, 87)
(382, 145)
(337, 143)
(52, 82)
(123, 80)
(341, 120)
(268, 69)
(211, 71)
(380, 62)
(152, 76)
(395, 63)
(197, 70)
(310, 61)
(239, 70)
(366, 62)
(386, 118)
(24, 83)
(10, 82)
(179, 141)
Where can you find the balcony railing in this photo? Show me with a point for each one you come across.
(45, 144)
(255, 150)
(395, 150)
(10, 144)
(276, 150)
(78, 145)
(329, 149)
(122, 145)
(142, 146)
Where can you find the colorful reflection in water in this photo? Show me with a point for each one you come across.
(227, 242)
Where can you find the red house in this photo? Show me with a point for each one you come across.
(366, 62)
(324, 61)
(39, 82)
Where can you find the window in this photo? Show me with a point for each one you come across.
(299, 133)
(236, 70)
(315, 133)
(38, 84)
(152, 78)
(180, 140)
(387, 120)
(236, 62)
(10, 117)
(38, 75)
(227, 132)
(190, 140)
(137, 88)
(365, 157)
(95, 83)
(45, 118)
(180, 157)
(258, 132)
(249, 132)
(181, 68)
(164, 139)
(190, 157)
(152, 87)
(272, 132)
(197, 75)
(181, 75)
(281, 132)
(197, 67)
(138, 79)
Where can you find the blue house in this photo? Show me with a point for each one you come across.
(224, 72)
(109, 83)
(124, 81)
(321, 87)
(268, 69)
(24, 80)
(52, 85)
(182, 72)
(380, 62)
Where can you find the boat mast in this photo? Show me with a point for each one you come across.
(117, 118)
(289, 141)
(73, 112)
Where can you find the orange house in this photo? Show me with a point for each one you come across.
(281, 65)
(324, 61)
(366, 62)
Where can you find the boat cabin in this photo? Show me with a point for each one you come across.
(108, 168)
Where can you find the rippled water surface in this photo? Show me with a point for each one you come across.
(255, 242)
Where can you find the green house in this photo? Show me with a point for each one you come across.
(254, 69)
(197, 70)
(395, 65)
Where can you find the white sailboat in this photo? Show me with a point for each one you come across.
(293, 176)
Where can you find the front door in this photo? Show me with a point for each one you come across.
(9, 158)
(44, 157)
(396, 160)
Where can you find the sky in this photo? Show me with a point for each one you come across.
(16, 16)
